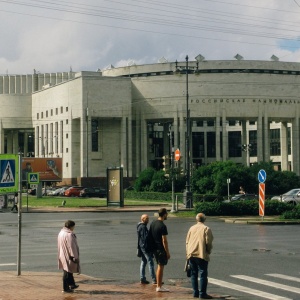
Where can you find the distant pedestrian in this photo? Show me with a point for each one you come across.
(68, 256)
(198, 248)
(16, 200)
(158, 231)
(242, 191)
(146, 254)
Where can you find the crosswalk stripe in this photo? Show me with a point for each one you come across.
(268, 283)
(246, 290)
(285, 277)
(8, 264)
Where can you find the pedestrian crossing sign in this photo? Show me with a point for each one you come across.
(9, 173)
(33, 178)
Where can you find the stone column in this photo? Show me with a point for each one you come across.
(225, 136)
(266, 138)
(260, 149)
(218, 138)
(144, 143)
(295, 144)
(284, 146)
(1, 137)
(182, 146)
(124, 145)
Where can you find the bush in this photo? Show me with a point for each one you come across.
(294, 213)
(241, 208)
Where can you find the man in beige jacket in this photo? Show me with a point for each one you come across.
(198, 248)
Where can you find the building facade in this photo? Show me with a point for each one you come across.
(245, 111)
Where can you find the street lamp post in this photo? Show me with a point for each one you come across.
(247, 148)
(188, 193)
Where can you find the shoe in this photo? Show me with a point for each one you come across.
(162, 289)
(73, 287)
(68, 291)
(144, 281)
(196, 296)
(206, 297)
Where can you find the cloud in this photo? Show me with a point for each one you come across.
(90, 34)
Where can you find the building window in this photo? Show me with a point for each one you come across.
(51, 112)
(67, 150)
(67, 135)
(37, 116)
(67, 109)
(61, 109)
(67, 164)
(56, 111)
(275, 141)
(198, 144)
(42, 115)
(67, 121)
(46, 113)
(234, 144)
(210, 123)
(211, 144)
(95, 135)
(253, 142)
(289, 141)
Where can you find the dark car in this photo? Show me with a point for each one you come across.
(93, 192)
(242, 197)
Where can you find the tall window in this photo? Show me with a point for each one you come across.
(211, 144)
(198, 144)
(95, 135)
(275, 141)
(253, 142)
(234, 144)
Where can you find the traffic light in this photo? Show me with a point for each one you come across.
(166, 164)
(179, 168)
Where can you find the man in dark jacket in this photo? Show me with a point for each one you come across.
(146, 255)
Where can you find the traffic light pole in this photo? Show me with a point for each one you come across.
(172, 170)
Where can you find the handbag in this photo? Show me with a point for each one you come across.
(187, 268)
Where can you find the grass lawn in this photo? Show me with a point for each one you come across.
(47, 201)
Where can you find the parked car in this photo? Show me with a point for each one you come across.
(93, 192)
(32, 192)
(242, 197)
(55, 192)
(292, 196)
(62, 190)
(73, 191)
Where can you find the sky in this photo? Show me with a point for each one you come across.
(87, 35)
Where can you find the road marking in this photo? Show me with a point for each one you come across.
(244, 289)
(285, 277)
(268, 283)
(9, 264)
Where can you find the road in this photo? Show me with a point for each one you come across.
(243, 256)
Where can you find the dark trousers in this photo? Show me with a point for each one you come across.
(199, 265)
(68, 279)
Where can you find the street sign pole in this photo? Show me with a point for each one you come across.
(262, 176)
(19, 217)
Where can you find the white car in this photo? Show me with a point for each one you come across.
(292, 197)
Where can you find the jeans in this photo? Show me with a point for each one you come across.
(147, 258)
(199, 265)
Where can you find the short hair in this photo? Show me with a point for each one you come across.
(201, 217)
(162, 212)
(69, 224)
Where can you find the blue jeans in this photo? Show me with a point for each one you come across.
(147, 258)
(199, 265)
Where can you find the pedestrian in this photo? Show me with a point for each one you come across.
(198, 248)
(68, 256)
(146, 254)
(158, 231)
(15, 206)
(242, 191)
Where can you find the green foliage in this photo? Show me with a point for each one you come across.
(143, 182)
(292, 214)
(241, 208)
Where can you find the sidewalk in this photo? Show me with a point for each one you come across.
(48, 286)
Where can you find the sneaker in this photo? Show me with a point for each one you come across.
(162, 289)
(144, 281)
(73, 287)
(68, 291)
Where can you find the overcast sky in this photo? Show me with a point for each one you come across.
(86, 35)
